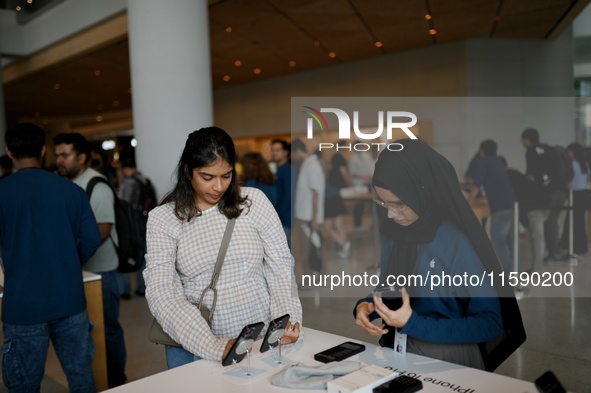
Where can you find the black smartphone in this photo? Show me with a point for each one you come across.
(243, 343)
(548, 383)
(275, 330)
(400, 384)
(339, 352)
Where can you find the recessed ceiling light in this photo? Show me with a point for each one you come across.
(115, 103)
(257, 71)
(18, 8)
(332, 55)
(226, 78)
(30, 1)
(316, 43)
(97, 72)
(292, 63)
(428, 16)
(99, 118)
(228, 29)
(237, 63)
(432, 31)
(57, 86)
(378, 44)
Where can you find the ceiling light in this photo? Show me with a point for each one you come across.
(30, 1)
(57, 86)
(97, 72)
(237, 63)
(108, 144)
(292, 63)
(332, 55)
(226, 78)
(378, 44)
(228, 29)
(133, 142)
(428, 16)
(257, 71)
(18, 8)
(497, 17)
(115, 103)
(316, 43)
(99, 118)
(432, 31)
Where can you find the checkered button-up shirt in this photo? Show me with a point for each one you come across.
(256, 283)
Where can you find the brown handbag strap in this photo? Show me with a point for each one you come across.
(218, 264)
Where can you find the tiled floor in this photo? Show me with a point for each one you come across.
(558, 328)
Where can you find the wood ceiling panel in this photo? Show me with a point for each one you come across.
(269, 33)
(530, 19)
(455, 20)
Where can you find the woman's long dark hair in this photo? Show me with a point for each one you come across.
(255, 167)
(204, 147)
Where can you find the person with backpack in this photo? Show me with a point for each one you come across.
(581, 200)
(73, 155)
(137, 190)
(546, 168)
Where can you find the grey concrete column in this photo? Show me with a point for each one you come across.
(171, 81)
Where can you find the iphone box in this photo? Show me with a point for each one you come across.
(361, 381)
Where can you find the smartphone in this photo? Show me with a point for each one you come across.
(339, 352)
(243, 343)
(548, 383)
(400, 384)
(276, 326)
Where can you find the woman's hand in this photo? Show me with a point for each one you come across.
(362, 320)
(397, 318)
(291, 334)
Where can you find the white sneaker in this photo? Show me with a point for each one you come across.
(345, 252)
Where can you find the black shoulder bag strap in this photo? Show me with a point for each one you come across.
(218, 267)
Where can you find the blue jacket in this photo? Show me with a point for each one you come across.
(449, 314)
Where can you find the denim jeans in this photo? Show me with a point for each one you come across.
(176, 357)
(25, 350)
(501, 234)
(114, 341)
(124, 280)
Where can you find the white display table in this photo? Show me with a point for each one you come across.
(207, 376)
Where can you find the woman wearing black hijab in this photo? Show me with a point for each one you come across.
(428, 228)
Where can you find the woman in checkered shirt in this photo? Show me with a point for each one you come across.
(257, 281)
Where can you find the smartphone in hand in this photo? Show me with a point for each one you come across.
(243, 343)
(275, 330)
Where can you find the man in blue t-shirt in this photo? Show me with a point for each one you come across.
(280, 156)
(47, 231)
(488, 171)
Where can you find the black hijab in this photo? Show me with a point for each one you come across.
(427, 182)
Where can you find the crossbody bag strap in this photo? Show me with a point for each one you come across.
(222, 252)
(218, 265)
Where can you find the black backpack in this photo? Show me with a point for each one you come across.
(563, 166)
(130, 231)
(146, 201)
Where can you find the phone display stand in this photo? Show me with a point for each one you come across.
(242, 347)
(274, 340)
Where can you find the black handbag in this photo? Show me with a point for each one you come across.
(157, 335)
